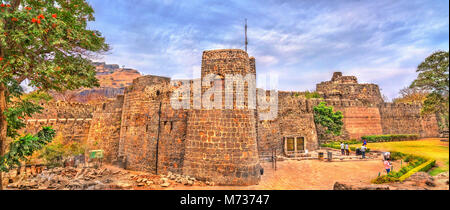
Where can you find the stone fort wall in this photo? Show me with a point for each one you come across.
(104, 132)
(141, 129)
(152, 133)
(71, 120)
(406, 118)
(365, 112)
(221, 143)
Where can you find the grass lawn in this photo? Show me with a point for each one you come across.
(428, 148)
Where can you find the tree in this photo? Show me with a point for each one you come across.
(326, 117)
(434, 77)
(48, 43)
(412, 95)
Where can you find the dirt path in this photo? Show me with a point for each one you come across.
(307, 175)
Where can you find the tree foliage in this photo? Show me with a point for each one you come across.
(412, 95)
(326, 117)
(24, 147)
(434, 77)
(58, 150)
(48, 43)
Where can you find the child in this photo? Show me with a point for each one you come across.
(387, 165)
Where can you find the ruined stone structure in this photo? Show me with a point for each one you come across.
(347, 87)
(142, 131)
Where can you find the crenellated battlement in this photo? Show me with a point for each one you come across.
(62, 109)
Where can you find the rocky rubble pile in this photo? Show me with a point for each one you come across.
(164, 181)
(417, 181)
(178, 178)
(88, 178)
(68, 178)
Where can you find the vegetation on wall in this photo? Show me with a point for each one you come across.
(326, 117)
(312, 94)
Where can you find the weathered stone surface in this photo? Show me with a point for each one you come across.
(345, 186)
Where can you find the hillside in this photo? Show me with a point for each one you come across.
(112, 78)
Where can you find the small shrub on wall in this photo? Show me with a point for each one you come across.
(326, 117)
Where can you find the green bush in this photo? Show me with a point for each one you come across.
(310, 95)
(384, 179)
(56, 152)
(397, 156)
(415, 163)
(326, 117)
(422, 167)
(390, 137)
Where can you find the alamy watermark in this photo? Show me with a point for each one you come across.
(228, 92)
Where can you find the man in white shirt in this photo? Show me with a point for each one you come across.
(363, 151)
(342, 148)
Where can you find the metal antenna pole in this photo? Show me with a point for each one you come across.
(246, 42)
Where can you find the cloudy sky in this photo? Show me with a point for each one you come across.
(302, 41)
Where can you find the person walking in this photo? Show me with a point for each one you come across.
(387, 165)
(387, 155)
(363, 151)
(347, 150)
(364, 142)
(342, 148)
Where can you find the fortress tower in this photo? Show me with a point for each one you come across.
(221, 143)
(347, 87)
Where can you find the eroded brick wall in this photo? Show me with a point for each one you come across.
(221, 147)
(64, 110)
(297, 120)
(139, 128)
(406, 119)
(360, 118)
(360, 121)
(104, 132)
(71, 129)
(221, 143)
(70, 120)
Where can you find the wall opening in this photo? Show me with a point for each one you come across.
(294, 145)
